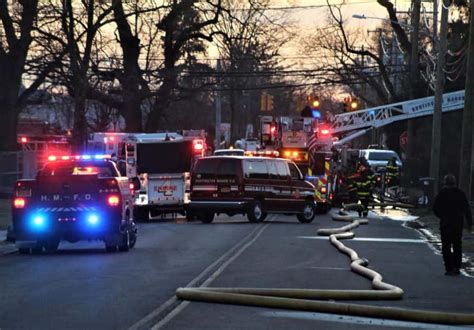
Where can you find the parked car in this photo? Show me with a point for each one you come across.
(252, 186)
(378, 158)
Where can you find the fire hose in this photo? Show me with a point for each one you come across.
(310, 299)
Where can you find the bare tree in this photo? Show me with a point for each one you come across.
(249, 44)
(15, 40)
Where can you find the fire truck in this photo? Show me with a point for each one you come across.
(308, 143)
(159, 164)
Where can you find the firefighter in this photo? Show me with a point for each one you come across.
(392, 173)
(364, 182)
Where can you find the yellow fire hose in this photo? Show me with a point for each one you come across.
(304, 299)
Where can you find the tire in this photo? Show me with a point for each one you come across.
(255, 212)
(23, 250)
(133, 238)
(124, 245)
(309, 211)
(206, 217)
(51, 245)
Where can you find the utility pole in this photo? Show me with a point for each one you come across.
(438, 100)
(414, 73)
(218, 104)
(465, 171)
(435, 23)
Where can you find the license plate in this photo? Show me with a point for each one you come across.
(225, 189)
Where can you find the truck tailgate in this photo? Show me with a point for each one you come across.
(166, 190)
(67, 190)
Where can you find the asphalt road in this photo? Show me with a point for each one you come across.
(82, 287)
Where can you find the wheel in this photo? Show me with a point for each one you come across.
(255, 212)
(308, 212)
(124, 245)
(51, 245)
(206, 217)
(133, 238)
(23, 250)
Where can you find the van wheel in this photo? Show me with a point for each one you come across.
(255, 212)
(206, 217)
(309, 211)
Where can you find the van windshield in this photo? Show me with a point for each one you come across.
(382, 155)
(206, 167)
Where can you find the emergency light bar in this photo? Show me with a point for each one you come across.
(53, 158)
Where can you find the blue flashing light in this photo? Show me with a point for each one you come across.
(38, 222)
(93, 219)
(86, 157)
(372, 113)
(316, 114)
(99, 156)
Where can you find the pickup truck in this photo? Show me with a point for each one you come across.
(74, 198)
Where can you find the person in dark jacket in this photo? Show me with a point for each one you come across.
(452, 207)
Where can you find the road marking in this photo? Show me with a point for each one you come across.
(357, 320)
(172, 300)
(372, 239)
(211, 278)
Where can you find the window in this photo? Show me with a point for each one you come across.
(255, 169)
(283, 170)
(104, 170)
(206, 168)
(294, 171)
(227, 167)
(382, 155)
(272, 170)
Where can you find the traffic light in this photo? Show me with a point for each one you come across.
(315, 103)
(266, 102)
(269, 102)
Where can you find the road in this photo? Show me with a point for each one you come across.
(82, 287)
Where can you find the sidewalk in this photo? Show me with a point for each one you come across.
(6, 247)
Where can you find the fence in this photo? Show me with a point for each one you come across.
(16, 165)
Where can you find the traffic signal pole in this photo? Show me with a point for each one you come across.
(467, 152)
(438, 99)
(218, 105)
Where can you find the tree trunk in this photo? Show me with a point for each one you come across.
(9, 90)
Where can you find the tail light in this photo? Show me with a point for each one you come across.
(131, 186)
(19, 203)
(113, 200)
(198, 146)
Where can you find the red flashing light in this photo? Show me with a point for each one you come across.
(23, 139)
(131, 186)
(325, 131)
(65, 158)
(198, 145)
(272, 129)
(19, 203)
(113, 200)
(112, 138)
(52, 158)
(323, 190)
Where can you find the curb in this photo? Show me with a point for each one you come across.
(6, 249)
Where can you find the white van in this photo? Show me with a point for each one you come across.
(378, 158)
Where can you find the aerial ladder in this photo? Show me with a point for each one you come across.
(362, 121)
